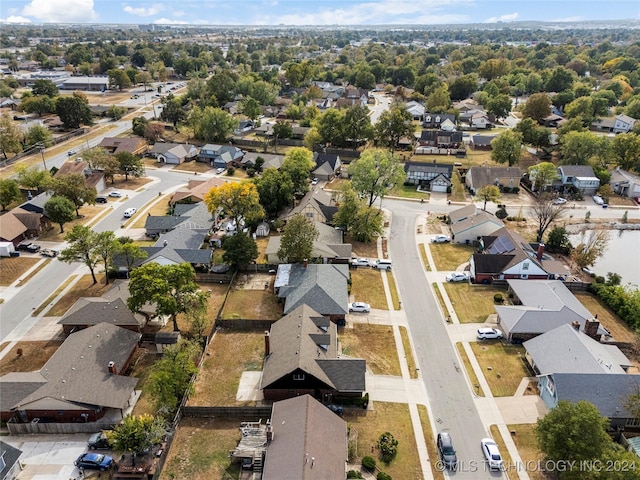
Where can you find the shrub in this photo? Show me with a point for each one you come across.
(369, 463)
(388, 446)
(383, 476)
(354, 474)
(497, 298)
(515, 189)
(502, 213)
(231, 171)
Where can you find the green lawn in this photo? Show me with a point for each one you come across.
(457, 188)
(408, 191)
(503, 365)
(472, 303)
(449, 256)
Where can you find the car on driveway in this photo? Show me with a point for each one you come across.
(457, 277)
(129, 212)
(94, 461)
(98, 441)
(115, 194)
(559, 201)
(447, 452)
(441, 239)
(598, 199)
(489, 334)
(49, 252)
(220, 170)
(491, 453)
(337, 409)
(359, 307)
(28, 247)
(361, 262)
(314, 181)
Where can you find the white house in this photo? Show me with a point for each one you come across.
(580, 177)
(625, 183)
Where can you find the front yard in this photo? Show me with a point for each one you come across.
(33, 355)
(472, 303)
(367, 287)
(527, 444)
(503, 366)
(83, 288)
(374, 343)
(12, 268)
(449, 256)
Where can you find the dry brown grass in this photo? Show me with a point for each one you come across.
(406, 345)
(393, 291)
(196, 167)
(526, 442)
(618, 328)
(506, 458)
(141, 369)
(13, 268)
(34, 356)
(472, 303)
(471, 373)
(425, 258)
(432, 450)
(449, 256)
(87, 213)
(503, 366)
(252, 305)
(387, 417)
(200, 450)
(83, 288)
(159, 208)
(367, 287)
(215, 301)
(228, 355)
(362, 249)
(374, 343)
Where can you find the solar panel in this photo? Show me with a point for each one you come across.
(501, 245)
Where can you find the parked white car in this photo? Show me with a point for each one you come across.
(489, 334)
(129, 212)
(457, 277)
(559, 201)
(491, 453)
(598, 199)
(361, 262)
(359, 307)
(441, 239)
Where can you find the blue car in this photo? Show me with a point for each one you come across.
(94, 461)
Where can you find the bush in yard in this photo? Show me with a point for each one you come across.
(388, 446)
(369, 463)
(354, 474)
(501, 213)
(231, 171)
(498, 298)
(383, 476)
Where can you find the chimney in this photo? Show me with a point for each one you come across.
(540, 251)
(269, 432)
(112, 368)
(591, 328)
(576, 325)
(267, 343)
(305, 263)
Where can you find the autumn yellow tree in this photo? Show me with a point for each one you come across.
(239, 200)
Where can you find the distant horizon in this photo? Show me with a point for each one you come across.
(307, 13)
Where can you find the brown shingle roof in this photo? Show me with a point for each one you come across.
(11, 227)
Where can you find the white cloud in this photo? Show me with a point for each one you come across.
(61, 11)
(15, 19)
(502, 18)
(143, 12)
(166, 21)
(576, 18)
(178, 13)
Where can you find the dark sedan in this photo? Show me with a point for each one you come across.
(94, 461)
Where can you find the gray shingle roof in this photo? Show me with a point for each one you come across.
(547, 295)
(462, 213)
(322, 287)
(309, 442)
(475, 220)
(17, 385)
(10, 456)
(479, 176)
(91, 311)
(577, 170)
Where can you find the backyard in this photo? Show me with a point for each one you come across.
(503, 366)
(252, 305)
(472, 303)
(375, 344)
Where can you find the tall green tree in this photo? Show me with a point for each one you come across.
(130, 165)
(542, 175)
(374, 173)
(275, 189)
(357, 125)
(499, 105)
(170, 376)
(625, 149)
(250, 108)
(212, 124)
(488, 193)
(38, 135)
(10, 136)
(172, 110)
(74, 188)
(330, 125)
(283, 130)
(9, 192)
(172, 288)
(578, 148)
(392, 125)
(296, 241)
(240, 249)
(558, 241)
(298, 163)
(39, 105)
(118, 78)
(99, 159)
(73, 111)
(130, 252)
(537, 107)
(135, 434)
(32, 178)
(82, 248)
(60, 210)
(507, 147)
(106, 246)
(43, 86)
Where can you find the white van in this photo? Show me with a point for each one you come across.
(382, 264)
(129, 212)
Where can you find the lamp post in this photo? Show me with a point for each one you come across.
(41, 148)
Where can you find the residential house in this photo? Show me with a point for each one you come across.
(12, 229)
(429, 176)
(270, 160)
(540, 306)
(298, 445)
(442, 121)
(36, 223)
(317, 206)
(506, 178)
(36, 204)
(90, 311)
(360, 95)
(323, 287)
(302, 357)
(173, 153)
(92, 178)
(244, 126)
(182, 244)
(327, 165)
(619, 124)
(416, 109)
(133, 145)
(462, 213)
(231, 107)
(327, 248)
(552, 121)
(572, 366)
(196, 214)
(481, 142)
(476, 119)
(506, 254)
(221, 156)
(298, 132)
(82, 381)
(10, 467)
(580, 177)
(440, 139)
(195, 191)
(472, 228)
(9, 103)
(625, 183)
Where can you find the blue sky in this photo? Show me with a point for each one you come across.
(306, 12)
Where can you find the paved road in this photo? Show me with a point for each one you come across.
(449, 394)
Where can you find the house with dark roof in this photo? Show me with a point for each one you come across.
(540, 306)
(89, 311)
(298, 444)
(505, 178)
(481, 142)
(572, 366)
(323, 287)
(36, 204)
(302, 358)
(327, 165)
(429, 176)
(10, 467)
(328, 247)
(506, 254)
(82, 381)
(442, 121)
(625, 183)
(196, 214)
(270, 160)
(133, 145)
(580, 177)
(220, 156)
(92, 178)
(317, 206)
(173, 153)
(195, 190)
(440, 139)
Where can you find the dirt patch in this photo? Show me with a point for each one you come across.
(83, 288)
(28, 356)
(363, 249)
(374, 343)
(13, 268)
